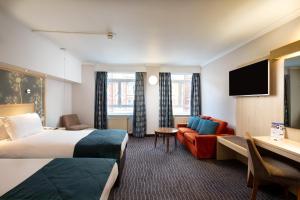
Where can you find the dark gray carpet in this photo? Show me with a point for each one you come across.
(151, 173)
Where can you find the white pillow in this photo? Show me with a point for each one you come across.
(3, 133)
(20, 126)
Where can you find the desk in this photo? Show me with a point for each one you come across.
(229, 149)
(287, 148)
(232, 147)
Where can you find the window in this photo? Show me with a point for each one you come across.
(181, 93)
(120, 93)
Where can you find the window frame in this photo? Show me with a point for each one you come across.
(180, 95)
(120, 105)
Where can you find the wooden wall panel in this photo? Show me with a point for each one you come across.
(15, 109)
(255, 114)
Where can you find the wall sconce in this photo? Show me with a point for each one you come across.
(27, 91)
(152, 80)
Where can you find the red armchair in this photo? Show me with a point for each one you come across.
(202, 146)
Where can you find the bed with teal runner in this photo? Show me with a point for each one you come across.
(65, 179)
(104, 143)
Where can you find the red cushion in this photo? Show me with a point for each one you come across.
(185, 130)
(205, 117)
(222, 125)
(189, 136)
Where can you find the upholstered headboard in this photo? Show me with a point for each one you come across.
(16, 109)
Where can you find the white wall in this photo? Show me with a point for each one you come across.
(58, 100)
(83, 94)
(20, 47)
(215, 99)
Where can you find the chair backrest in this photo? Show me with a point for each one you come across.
(255, 161)
(70, 120)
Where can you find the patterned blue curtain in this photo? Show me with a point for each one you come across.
(100, 119)
(196, 95)
(165, 100)
(139, 109)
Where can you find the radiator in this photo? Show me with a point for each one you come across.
(129, 124)
(125, 122)
(120, 122)
(180, 120)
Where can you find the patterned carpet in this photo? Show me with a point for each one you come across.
(151, 173)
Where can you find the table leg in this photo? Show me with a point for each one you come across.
(155, 141)
(164, 138)
(167, 143)
(175, 142)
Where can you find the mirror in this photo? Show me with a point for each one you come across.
(292, 92)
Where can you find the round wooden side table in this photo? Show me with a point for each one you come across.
(166, 132)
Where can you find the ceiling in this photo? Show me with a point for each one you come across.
(169, 32)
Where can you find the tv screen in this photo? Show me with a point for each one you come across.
(250, 80)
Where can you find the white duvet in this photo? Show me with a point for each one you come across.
(15, 171)
(46, 144)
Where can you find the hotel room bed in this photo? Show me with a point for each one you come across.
(61, 178)
(63, 144)
(110, 143)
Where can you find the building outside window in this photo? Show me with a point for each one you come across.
(181, 93)
(120, 93)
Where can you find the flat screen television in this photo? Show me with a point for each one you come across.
(251, 80)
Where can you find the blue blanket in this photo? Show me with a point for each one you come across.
(101, 144)
(65, 179)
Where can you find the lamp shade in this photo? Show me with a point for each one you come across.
(152, 80)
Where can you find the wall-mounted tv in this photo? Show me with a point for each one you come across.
(251, 80)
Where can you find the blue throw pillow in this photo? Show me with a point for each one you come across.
(208, 127)
(190, 121)
(195, 123)
(200, 124)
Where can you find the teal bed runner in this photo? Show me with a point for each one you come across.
(65, 179)
(104, 143)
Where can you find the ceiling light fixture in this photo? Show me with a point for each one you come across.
(109, 35)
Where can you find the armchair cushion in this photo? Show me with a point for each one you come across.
(222, 125)
(186, 130)
(190, 136)
(190, 121)
(205, 117)
(200, 125)
(78, 127)
(71, 122)
(208, 127)
(195, 123)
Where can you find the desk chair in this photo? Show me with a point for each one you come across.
(269, 170)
